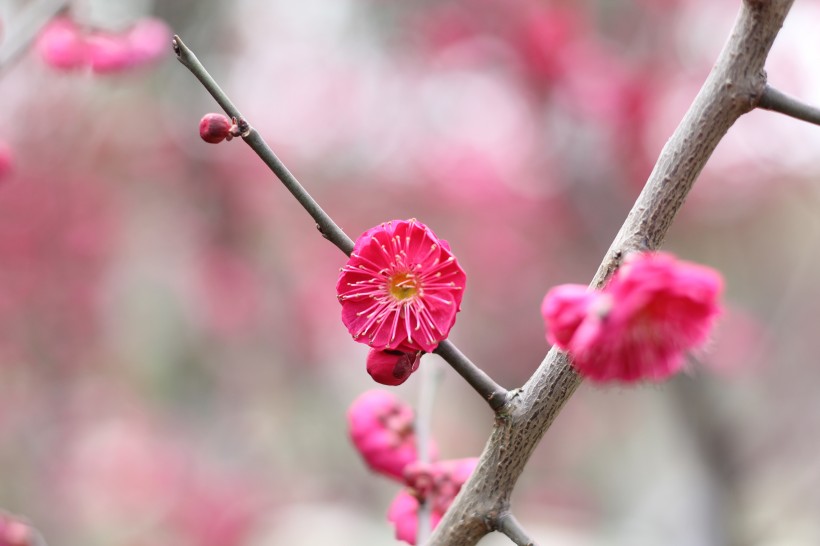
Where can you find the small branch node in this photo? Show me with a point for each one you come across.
(324, 233)
(243, 127)
(508, 525)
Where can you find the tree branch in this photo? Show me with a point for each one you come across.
(732, 89)
(493, 394)
(510, 526)
(777, 101)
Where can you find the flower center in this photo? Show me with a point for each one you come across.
(403, 286)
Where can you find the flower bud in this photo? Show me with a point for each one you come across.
(390, 367)
(214, 128)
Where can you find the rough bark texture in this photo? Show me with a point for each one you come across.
(733, 88)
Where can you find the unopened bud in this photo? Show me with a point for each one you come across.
(390, 367)
(215, 128)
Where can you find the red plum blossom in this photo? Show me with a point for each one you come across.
(653, 310)
(403, 514)
(61, 45)
(64, 45)
(381, 428)
(401, 287)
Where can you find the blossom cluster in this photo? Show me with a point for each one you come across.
(381, 428)
(65, 45)
(400, 292)
(640, 326)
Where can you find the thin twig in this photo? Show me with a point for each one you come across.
(430, 378)
(26, 28)
(777, 101)
(511, 527)
(495, 395)
(325, 223)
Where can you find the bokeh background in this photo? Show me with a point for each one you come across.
(173, 369)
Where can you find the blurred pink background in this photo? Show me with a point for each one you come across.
(173, 368)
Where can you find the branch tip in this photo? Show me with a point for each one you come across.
(175, 44)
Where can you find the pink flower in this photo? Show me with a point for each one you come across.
(564, 309)
(149, 40)
(61, 44)
(143, 43)
(381, 428)
(651, 313)
(437, 484)
(108, 53)
(401, 287)
(64, 45)
(403, 514)
(391, 367)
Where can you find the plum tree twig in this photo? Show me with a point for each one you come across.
(494, 394)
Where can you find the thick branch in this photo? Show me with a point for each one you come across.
(733, 88)
(493, 394)
(510, 526)
(777, 101)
